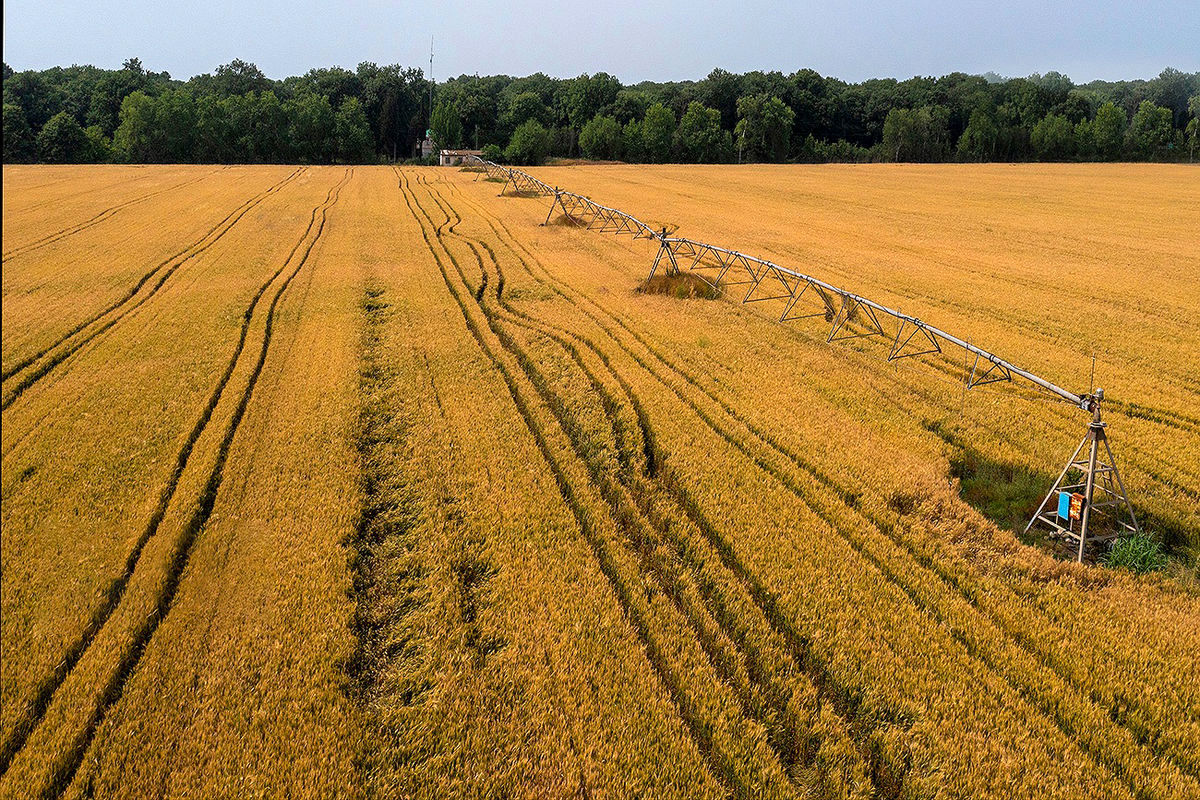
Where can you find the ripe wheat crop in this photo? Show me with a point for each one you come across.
(331, 481)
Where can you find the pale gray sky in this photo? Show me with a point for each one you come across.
(632, 39)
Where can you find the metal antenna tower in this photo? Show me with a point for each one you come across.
(1080, 516)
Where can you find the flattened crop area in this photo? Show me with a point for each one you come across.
(333, 481)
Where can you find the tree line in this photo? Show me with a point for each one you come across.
(380, 113)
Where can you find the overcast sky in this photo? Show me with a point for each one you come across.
(634, 39)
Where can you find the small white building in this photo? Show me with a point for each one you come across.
(454, 158)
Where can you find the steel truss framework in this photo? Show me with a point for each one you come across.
(586, 213)
(851, 316)
(580, 210)
(522, 182)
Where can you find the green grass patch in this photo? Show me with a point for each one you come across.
(1137, 553)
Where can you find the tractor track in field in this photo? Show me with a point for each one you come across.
(715, 606)
(67, 197)
(575, 497)
(63, 771)
(726, 406)
(96, 220)
(888, 573)
(1115, 706)
(51, 356)
(25, 362)
(927, 563)
(621, 500)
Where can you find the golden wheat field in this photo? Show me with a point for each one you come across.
(361, 482)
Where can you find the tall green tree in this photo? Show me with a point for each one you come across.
(921, 134)
(175, 114)
(1053, 138)
(239, 77)
(658, 132)
(20, 144)
(37, 97)
(336, 83)
(588, 95)
(353, 132)
(447, 126)
(155, 130)
(1193, 126)
(764, 128)
(601, 138)
(1171, 90)
(1085, 140)
(700, 138)
(979, 139)
(312, 128)
(1151, 132)
(629, 105)
(529, 145)
(110, 91)
(62, 141)
(1108, 130)
(478, 102)
(99, 147)
(1077, 107)
(239, 112)
(138, 137)
(721, 90)
(394, 99)
(268, 128)
(214, 142)
(632, 146)
(524, 107)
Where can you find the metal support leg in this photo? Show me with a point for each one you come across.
(1112, 463)
(658, 257)
(1096, 433)
(671, 257)
(1054, 486)
(553, 205)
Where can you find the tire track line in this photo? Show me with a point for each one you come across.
(925, 560)
(164, 270)
(63, 772)
(66, 769)
(72, 196)
(717, 762)
(96, 220)
(720, 634)
(696, 597)
(975, 597)
(637, 529)
(12, 370)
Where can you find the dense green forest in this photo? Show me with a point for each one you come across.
(371, 114)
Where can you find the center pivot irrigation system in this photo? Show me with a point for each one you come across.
(1085, 503)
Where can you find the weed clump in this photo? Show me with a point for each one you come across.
(1137, 553)
(683, 286)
